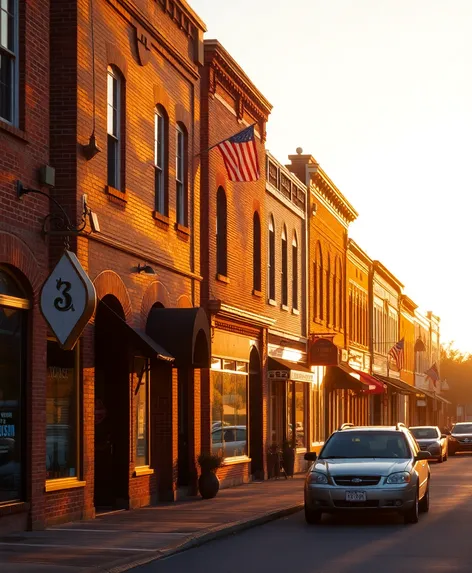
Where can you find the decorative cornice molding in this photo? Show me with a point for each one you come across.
(240, 329)
(245, 315)
(331, 194)
(387, 275)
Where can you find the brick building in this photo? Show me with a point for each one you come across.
(233, 259)
(24, 153)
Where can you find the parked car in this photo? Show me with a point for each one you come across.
(430, 439)
(368, 468)
(460, 439)
(229, 441)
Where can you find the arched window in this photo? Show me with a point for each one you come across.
(319, 283)
(161, 135)
(256, 252)
(221, 233)
(340, 294)
(115, 129)
(181, 157)
(295, 272)
(328, 292)
(13, 307)
(271, 260)
(284, 270)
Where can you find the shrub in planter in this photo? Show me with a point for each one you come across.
(208, 483)
(273, 467)
(288, 457)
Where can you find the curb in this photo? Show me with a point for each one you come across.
(204, 537)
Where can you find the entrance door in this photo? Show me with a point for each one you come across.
(255, 419)
(111, 409)
(183, 425)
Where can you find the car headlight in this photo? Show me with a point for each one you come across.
(317, 477)
(399, 478)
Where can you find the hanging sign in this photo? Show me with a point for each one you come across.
(68, 300)
(323, 352)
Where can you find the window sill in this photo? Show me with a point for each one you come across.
(12, 130)
(12, 507)
(284, 307)
(161, 218)
(222, 278)
(64, 483)
(257, 293)
(116, 193)
(183, 232)
(235, 461)
(143, 471)
(295, 311)
(272, 302)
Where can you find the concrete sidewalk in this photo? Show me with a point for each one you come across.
(122, 540)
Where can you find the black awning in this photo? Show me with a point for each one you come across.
(341, 378)
(185, 332)
(398, 385)
(137, 339)
(294, 370)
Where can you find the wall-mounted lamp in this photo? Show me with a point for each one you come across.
(419, 345)
(146, 269)
(91, 149)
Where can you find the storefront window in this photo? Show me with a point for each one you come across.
(61, 413)
(229, 408)
(300, 414)
(12, 358)
(317, 417)
(142, 369)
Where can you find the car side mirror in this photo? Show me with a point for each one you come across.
(423, 455)
(310, 456)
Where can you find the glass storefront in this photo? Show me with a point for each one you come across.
(61, 413)
(229, 380)
(13, 305)
(141, 394)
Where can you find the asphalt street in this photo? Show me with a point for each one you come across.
(440, 543)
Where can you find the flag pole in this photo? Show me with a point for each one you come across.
(216, 144)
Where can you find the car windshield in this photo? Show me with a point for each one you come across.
(365, 444)
(462, 429)
(424, 433)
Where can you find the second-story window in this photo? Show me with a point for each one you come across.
(256, 253)
(295, 272)
(221, 233)
(284, 274)
(271, 265)
(114, 119)
(160, 161)
(180, 176)
(9, 60)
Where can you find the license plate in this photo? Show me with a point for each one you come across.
(356, 496)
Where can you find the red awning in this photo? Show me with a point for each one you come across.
(375, 386)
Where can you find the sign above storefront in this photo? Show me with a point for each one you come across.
(68, 300)
(324, 352)
(294, 375)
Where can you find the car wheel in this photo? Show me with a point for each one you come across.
(423, 505)
(412, 515)
(312, 516)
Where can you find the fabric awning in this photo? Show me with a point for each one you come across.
(396, 384)
(290, 370)
(137, 339)
(375, 386)
(185, 332)
(434, 396)
(342, 377)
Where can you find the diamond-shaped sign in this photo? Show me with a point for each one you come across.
(68, 300)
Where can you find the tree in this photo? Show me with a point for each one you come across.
(456, 368)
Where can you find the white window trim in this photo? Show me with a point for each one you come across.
(181, 190)
(15, 69)
(160, 199)
(117, 135)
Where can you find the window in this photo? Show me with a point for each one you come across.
(221, 233)
(160, 162)
(142, 369)
(296, 413)
(114, 119)
(12, 408)
(338, 295)
(271, 273)
(229, 408)
(295, 272)
(328, 292)
(61, 413)
(9, 60)
(284, 276)
(256, 253)
(181, 187)
(318, 283)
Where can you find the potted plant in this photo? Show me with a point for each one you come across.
(208, 482)
(288, 457)
(273, 468)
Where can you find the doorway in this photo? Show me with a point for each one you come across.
(255, 410)
(111, 408)
(183, 474)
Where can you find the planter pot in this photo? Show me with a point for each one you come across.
(273, 465)
(208, 485)
(288, 457)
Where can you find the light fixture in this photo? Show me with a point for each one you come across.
(419, 345)
(146, 269)
(91, 149)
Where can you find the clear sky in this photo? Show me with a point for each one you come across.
(380, 92)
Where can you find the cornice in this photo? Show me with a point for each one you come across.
(327, 189)
(387, 275)
(408, 303)
(355, 251)
(224, 70)
(245, 315)
(174, 7)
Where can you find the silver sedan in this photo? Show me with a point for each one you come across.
(431, 440)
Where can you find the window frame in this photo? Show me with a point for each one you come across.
(13, 57)
(295, 272)
(271, 290)
(284, 268)
(147, 375)
(221, 232)
(117, 96)
(161, 204)
(181, 157)
(256, 253)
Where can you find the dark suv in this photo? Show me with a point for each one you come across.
(460, 439)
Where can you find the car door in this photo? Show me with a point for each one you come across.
(421, 467)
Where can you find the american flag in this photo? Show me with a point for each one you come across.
(433, 374)
(240, 156)
(396, 353)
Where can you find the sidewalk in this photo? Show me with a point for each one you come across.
(118, 541)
